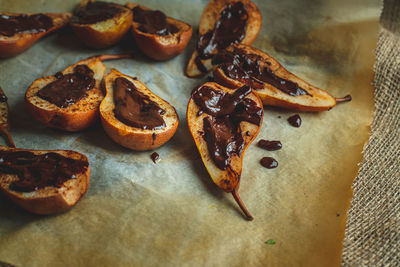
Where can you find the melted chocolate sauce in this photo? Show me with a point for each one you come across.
(136, 109)
(10, 25)
(3, 97)
(153, 22)
(38, 171)
(230, 28)
(69, 88)
(269, 163)
(254, 71)
(270, 145)
(95, 12)
(155, 157)
(295, 120)
(222, 130)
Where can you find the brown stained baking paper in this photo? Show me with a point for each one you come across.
(170, 213)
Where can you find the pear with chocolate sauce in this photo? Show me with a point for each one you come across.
(43, 181)
(70, 100)
(223, 22)
(18, 31)
(133, 116)
(101, 24)
(223, 123)
(4, 118)
(158, 36)
(242, 64)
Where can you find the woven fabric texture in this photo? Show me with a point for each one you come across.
(373, 226)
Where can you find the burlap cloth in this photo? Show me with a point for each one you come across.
(373, 226)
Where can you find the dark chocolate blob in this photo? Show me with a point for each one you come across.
(222, 130)
(3, 97)
(295, 120)
(154, 157)
(230, 28)
(136, 109)
(269, 145)
(10, 25)
(153, 22)
(254, 71)
(38, 171)
(69, 88)
(269, 163)
(94, 12)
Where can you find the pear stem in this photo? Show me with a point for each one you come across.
(236, 196)
(5, 132)
(112, 56)
(347, 98)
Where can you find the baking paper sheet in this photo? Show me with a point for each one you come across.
(171, 214)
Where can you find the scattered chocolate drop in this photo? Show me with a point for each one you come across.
(269, 145)
(199, 112)
(269, 163)
(295, 120)
(155, 157)
(247, 133)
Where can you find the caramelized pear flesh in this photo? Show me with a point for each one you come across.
(223, 124)
(223, 23)
(241, 64)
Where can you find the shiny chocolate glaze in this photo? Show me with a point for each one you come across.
(230, 28)
(153, 22)
(136, 109)
(269, 145)
(38, 171)
(10, 25)
(95, 12)
(295, 120)
(269, 163)
(69, 88)
(222, 130)
(254, 71)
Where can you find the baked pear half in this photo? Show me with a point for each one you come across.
(223, 22)
(69, 100)
(101, 24)
(19, 31)
(43, 181)
(133, 116)
(223, 123)
(4, 118)
(158, 36)
(242, 64)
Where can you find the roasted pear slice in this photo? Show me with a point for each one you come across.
(158, 36)
(70, 100)
(223, 23)
(43, 181)
(4, 118)
(133, 116)
(242, 64)
(101, 24)
(223, 123)
(18, 31)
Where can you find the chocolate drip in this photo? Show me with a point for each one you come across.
(154, 157)
(222, 130)
(269, 163)
(38, 171)
(270, 145)
(69, 88)
(254, 71)
(230, 28)
(10, 25)
(3, 97)
(153, 22)
(136, 109)
(94, 12)
(295, 120)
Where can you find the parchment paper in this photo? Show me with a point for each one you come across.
(167, 214)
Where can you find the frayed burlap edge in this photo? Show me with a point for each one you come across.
(373, 226)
